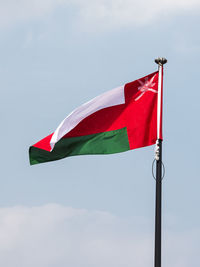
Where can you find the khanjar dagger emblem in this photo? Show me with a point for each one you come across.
(146, 86)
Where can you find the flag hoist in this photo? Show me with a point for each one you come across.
(125, 118)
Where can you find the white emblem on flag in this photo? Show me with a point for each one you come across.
(146, 86)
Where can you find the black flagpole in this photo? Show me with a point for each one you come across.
(158, 157)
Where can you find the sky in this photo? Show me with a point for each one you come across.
(96, 210)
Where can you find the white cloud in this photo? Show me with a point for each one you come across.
(58, 236)
(54, 235)
(12, 11)
(108, 14)
(96, 14)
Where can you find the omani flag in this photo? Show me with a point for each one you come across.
(122, 119)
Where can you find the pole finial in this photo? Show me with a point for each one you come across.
(161, 61)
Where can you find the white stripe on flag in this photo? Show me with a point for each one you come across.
(111, 98)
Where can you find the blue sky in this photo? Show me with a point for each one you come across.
(96, 210)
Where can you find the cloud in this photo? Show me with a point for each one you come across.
(96, 14)
(12, 11)
(58, 236)
(54, 235)
(106, 14)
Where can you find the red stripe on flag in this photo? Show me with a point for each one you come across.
(44, 143)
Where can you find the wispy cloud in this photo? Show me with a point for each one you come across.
(106, 14)
(92, 14)
(12, 12)
(54, 235)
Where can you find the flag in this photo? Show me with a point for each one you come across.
(121, 119)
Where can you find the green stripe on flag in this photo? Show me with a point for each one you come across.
(101, 143)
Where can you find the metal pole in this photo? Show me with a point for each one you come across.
(158, 208)
(158, 211)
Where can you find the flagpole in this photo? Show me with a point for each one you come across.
(158, 157)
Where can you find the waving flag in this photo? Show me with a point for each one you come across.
(122, 119)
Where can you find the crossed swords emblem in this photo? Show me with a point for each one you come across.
(146, 86)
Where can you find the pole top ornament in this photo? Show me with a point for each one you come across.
(161, 61)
